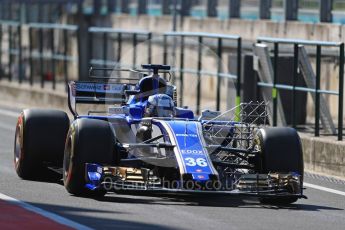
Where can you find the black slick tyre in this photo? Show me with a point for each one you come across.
(39, 140)
(88, 141)
(281, 151)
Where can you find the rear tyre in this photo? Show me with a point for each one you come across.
(39, 140)
(88, 141)
(281, 151)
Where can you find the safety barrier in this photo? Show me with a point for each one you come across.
(199, 72)
(54, 56)
(317, 91)
(118, 35)
(37, 34)
(13, 45)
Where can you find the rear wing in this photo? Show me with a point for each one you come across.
(95, 93)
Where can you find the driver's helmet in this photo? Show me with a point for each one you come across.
(159, 105)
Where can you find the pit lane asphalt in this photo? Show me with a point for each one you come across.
(323, 210)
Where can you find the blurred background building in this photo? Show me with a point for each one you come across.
(276, 10)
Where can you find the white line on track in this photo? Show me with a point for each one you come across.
(49, 215)
(9, 113)
(324, 189)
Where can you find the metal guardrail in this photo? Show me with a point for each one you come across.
(219, 49)
(53, 57)
(317, 91)
(119, 36)
(36, 32)
(10, 51)
(133, 36)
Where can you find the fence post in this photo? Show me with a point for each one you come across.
(219, 70)
(212, 8)
(165, 49)
(111, 6)
(52, 44)
(149, 48)
(181, 71)
(295, 76)
(198, 92)
(91, 45)
(2, 11)
(96, 7)
(186, 6)
(166, 7)
(30, 56)
(326, 7)
(125, 6)
(317, 93)
(10, 11)
(10, 39)
(135, 42)
(239, 77)
(20, 55)
(40, 12)
(40, 31)
(341, 93)
(105, 52)
(291, 10)
(84, 49)
(275, 80)
(28, 7)
(65, 52)
(119, 48)
(22, 12)
(142, 7)
(265, 9)
(80, 8)
(234, 9)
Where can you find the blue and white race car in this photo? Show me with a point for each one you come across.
(136, 138)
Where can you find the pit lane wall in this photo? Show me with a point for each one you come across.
(321, 154)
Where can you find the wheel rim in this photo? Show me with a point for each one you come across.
(17, 148)
(66, 161)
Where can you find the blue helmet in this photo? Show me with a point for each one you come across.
(159, 105)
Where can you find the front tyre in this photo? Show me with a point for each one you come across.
(88, 141)
(281, 151)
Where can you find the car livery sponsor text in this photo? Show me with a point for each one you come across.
(100, 88)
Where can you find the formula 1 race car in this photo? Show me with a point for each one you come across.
(144, 142)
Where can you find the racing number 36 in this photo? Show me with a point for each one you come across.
(193, 162)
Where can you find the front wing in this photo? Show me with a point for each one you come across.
(132, 179)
